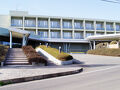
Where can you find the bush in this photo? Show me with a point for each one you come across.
(3, 52)
(113, 42)
(105, 51)
(55, 52)
(101, 45)
(32, 55)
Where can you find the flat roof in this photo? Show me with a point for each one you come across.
(104, 37)
(58, 40)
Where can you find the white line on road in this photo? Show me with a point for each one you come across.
(100, 70)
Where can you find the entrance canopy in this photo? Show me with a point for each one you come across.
(13, 32)
(104, 37)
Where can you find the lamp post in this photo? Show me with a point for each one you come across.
(59, 49)
(46, 44)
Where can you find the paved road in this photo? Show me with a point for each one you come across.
(96, 62)
(104, 79)
(100, 73)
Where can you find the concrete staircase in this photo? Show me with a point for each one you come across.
(16, 57)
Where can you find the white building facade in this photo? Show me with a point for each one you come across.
(70, 33)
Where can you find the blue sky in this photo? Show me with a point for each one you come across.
(72, 8)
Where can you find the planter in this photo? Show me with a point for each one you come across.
(53, 59)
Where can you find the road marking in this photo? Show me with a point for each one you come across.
(100, 70)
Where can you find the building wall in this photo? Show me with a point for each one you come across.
(61, 27)
(5, 21)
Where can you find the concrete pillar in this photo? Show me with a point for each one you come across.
(114, 26)
(10, 39)
(90, 45)
(93, 44)
(49, 35)
(36, 25)
(66, 47)
(23, 23)
(94, 27)
(73, 28)
(84, 34)
(61, 21)
(105, 27)
(24, 41)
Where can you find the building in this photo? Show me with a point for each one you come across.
(69, 33)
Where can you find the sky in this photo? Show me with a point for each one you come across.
(94, 9)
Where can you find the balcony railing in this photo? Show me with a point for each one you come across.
(89, 28)
(100, 29)
(79, 27)
(109, 29)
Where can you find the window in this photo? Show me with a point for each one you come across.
(67, 24)
(67, 35)
(43, 34)
(30, 23)
(55, 24)
(78, 35)
(89, 25)
(32, 32)
(99, 33)
(109, 26)
(89, 34)
(43, 23)
(55, 34)
(99, 26)
(16, 22)
(117, 27)
(78, 25)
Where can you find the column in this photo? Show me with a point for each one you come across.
(10, 39)
(105, 27)
(90, 45)
(36, 25)
(93, 44)
(114, 26)
(73, 28)
(23, 42)
(95, 27)
(49, 35)
(61, 21)
(23, 23)
(84, 29)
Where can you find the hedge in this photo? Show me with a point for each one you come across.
(105, 51)
(3, 52)
(33, 56)
(55, 52)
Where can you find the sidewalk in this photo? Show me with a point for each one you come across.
(28, 73)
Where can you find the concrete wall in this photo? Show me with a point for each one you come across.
(4, 20)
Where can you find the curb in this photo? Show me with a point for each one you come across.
(40, 77)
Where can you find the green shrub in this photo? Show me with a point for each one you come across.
(105, 51)
(55, 52)
(32, 55)
(113, 42)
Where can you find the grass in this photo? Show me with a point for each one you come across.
(55, 52)
(2, 83)
(105, 51)
(3, 52)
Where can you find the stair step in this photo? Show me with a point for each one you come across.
(17, 64)
(16, 56)
(17, 60)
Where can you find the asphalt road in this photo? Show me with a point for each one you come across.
(102, 79)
